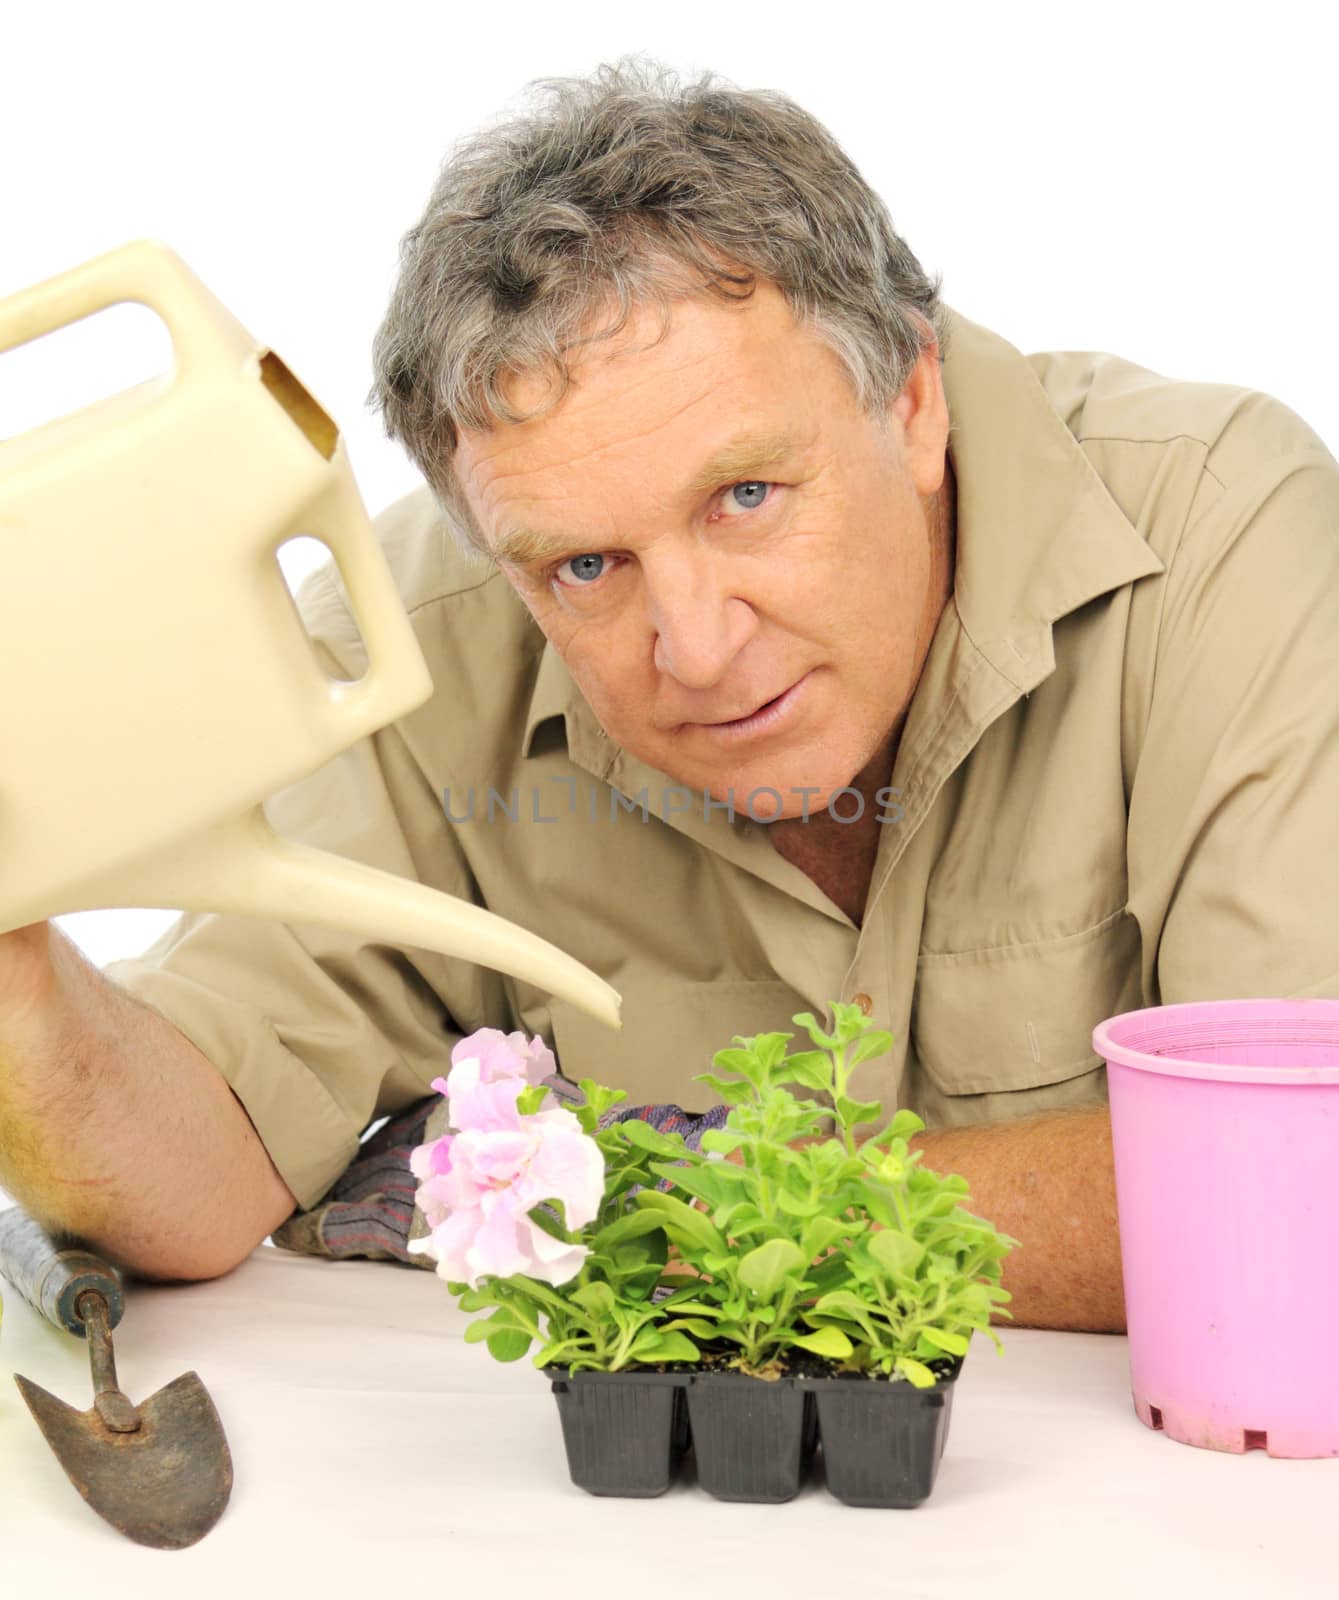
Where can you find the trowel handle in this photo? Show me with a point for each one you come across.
(145, 271)
(52, 1279)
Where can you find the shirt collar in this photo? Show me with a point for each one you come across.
(1038, 533)
(555, 694)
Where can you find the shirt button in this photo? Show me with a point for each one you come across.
(864, 1002)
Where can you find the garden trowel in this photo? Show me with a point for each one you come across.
(160, 1472)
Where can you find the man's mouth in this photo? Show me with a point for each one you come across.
(762, 717)
(726, 722)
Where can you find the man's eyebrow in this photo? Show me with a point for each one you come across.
(734, 462)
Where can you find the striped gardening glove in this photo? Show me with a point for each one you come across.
(369, 1212)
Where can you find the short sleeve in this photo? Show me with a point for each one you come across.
(317, 1031)
(1233, 827)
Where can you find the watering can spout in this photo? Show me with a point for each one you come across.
(244, 867)
(168, 684)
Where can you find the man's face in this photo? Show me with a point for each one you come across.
(757, 624)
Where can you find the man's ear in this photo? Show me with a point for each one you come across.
(922, 411)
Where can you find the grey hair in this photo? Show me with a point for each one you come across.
(633, 188)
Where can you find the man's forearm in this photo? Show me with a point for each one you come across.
(1049, 1182)
(115, 1129)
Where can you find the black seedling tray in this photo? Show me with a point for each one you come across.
(626, 1433)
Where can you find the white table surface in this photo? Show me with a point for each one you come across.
(375, 1452)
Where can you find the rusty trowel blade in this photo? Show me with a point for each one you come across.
(167, 1483)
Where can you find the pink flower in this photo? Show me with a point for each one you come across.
(506, 1055)
(478, 1185)
(489, 1069)
(432, 1160)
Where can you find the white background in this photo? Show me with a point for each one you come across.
(1152, 180)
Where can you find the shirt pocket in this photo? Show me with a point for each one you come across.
(1021, 1016)
(670, 1032)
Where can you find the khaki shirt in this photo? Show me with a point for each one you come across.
(1118, 785)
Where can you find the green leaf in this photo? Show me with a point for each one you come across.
(920, 1375)
(767, 1268)
(842, 1303)
(831, 1274)
(954, 1343)
(645, 1137)
(795, 1205)
(508, 1345)
(895, 1252)
(809, 1022)
(733, 1091)
(546, 1224)
(735, 1060)
(854, 1112)
(620, 1172)
(597, 1298)
(829, 1341)
(721, 1141)
(875, 1202)
(849, 1020)
(651, 1247)
(812, 1068)
(599, 1099)
(704, 1181)
(558, 1350)
(539, 1294)
(694, 1308)
(699, 1327)
(822, 1233)
(874, 1043)
(657, 1345)
(631, 1225)
(486, 1327)
(744, 1219)
(904, 1124)
(531, 1098)
(770, 1048)
(683, 1224)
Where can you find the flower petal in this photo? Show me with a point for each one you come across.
(476, 1103)
(568, 1167)
(432, 1159)
(495, 1250)
(551, 1261)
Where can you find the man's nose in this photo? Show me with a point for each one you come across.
(701, 624)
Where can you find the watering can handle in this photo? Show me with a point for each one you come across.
(147, 272)
(207, 338)
(396, 671)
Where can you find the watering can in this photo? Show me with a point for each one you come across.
(160, 682)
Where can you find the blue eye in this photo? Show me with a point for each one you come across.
(587, 568)
(752, 487)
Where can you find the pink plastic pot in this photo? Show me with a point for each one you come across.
(1225, 1125)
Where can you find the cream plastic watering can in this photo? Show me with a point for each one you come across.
(159, 683)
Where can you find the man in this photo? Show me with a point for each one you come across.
(795, 639)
